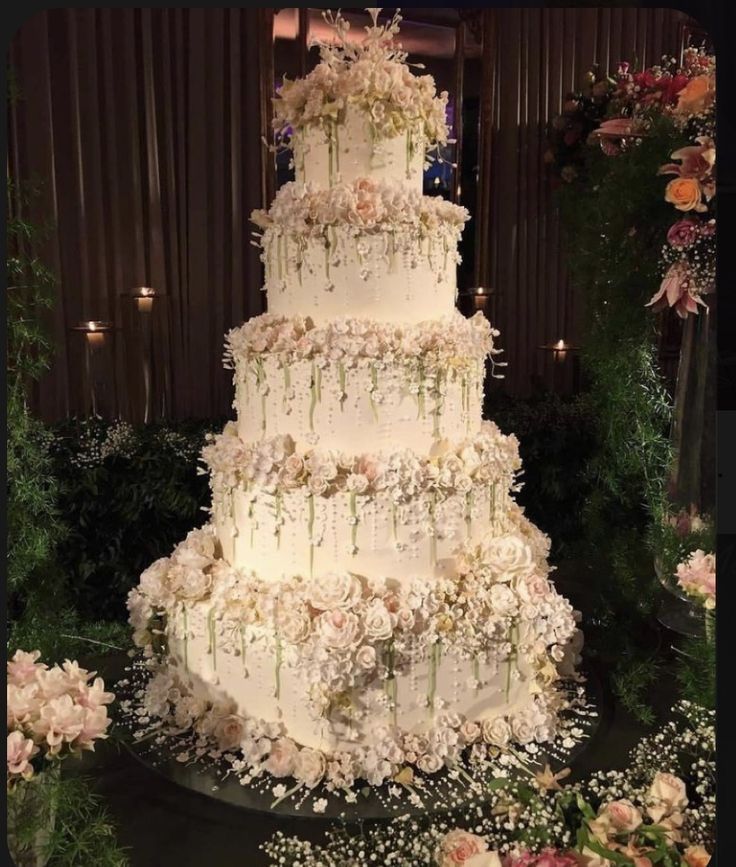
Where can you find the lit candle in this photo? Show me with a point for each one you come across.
(560, 350)
(95, 337)
(480, 297)
(144, 299)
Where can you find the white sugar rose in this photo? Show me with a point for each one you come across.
(153, 582)
(188, 582)
(503, 600)
(365, 658)
(294, 624)
(377, 621)
(282, 758)
(429, 763)
(339, 629)
(356, 483)
(197, 551)
(523, 728)
(508, 556)
(496, 731)
(310, 767)
(335, 590)
(470, 731)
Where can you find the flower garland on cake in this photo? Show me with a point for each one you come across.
(363, 205)
(274, 465)
(450, 343)
(373, 75)
(343, 630)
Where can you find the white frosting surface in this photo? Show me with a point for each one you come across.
(365, 408)
(365, 276)
(272, 534)
(252, 683)
(325, 155)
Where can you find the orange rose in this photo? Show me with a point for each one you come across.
(696, 856)
(697, 96)
(685, 194)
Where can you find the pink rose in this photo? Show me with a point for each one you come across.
(623, 815)
(682, 234)
(696, 856)
(282, 758)
(458, 847)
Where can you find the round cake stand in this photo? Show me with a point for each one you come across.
(439, 794)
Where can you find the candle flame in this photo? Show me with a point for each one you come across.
(92, 326)
(560, 344)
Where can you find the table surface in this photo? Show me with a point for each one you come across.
(164, 825)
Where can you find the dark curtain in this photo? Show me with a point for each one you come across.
(537, 56)
(144, 127)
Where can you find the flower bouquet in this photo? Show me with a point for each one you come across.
(674, 539)
(53, 713)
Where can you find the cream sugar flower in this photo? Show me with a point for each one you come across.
(441, 342)
(371, 74)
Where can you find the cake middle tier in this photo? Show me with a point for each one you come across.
(360, 385)
(367, 248)
(312, 512)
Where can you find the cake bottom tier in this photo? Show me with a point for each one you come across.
(256, 683)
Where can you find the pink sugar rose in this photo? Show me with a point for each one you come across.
(20, 752)
(282, 758)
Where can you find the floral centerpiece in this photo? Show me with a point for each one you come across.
(659, 810)
(53, 713)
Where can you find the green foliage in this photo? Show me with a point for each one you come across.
(82, 831)
(615, 222)
(33, 522)
(696, 671)
(556, 435)
(128, 495)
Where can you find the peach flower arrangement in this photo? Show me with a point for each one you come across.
(52, 713)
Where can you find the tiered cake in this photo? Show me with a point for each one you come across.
(367, 594)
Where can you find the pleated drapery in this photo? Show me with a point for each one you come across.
(537, 56)
(144, 127)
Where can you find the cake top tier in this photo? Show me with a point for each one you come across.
(372, 76)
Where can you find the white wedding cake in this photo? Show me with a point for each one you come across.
(367, 594)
